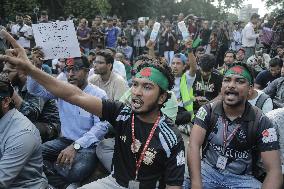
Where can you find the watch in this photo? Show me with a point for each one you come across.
(76, 146)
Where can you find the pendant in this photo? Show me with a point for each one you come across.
(137, 146)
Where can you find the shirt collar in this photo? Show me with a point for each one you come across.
(6, 119)
(248, 115)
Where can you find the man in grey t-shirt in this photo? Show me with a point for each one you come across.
(20, 146)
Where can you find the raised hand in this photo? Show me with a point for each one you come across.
(16, 56)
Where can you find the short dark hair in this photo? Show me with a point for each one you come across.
(199, 49)
(20, 14)
(280, 46)
(254, 15)
(275, 62)
(232, 52)
(112, 50)
(207, 62)
(6, 88)
(44, 13)
(107, 55)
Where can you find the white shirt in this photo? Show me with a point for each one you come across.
(27, 30)
(267, 106)
(249, 36)
(266, 59)
(139, 38)
(119, 68)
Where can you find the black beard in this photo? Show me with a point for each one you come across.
(1, 113)
(152, 108)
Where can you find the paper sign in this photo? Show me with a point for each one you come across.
(57, 39)
(183, 29)
(155, 31)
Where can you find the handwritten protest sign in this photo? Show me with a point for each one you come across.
(57, 39)
(155, 31)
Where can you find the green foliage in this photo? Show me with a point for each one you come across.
(122, 8)
(270, 3)
(86, 8)
(11, 7)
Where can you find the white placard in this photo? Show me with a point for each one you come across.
(183, 29)
(57, 39)
(155, 31)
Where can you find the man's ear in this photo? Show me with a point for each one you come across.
(250, 92)
(6, 103)
(162, 98)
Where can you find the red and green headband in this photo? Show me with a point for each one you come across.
(240, 70)
(155, 76)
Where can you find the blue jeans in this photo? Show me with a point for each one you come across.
(213, 178)
(59, 176)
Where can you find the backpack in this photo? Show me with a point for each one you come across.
(261, 100)
(252, 129)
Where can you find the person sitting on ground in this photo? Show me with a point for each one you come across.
(184, 71)
(207, 83)
(276, 90)
(228, 130)
(71, 158)
(264, 78)
(21, 156)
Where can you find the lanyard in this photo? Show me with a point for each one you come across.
(142, 155)
(225, 138)
(203, 84)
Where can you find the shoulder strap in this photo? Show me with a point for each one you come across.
(253, 125)
(212, 124)
(261, 100)
(252, 139)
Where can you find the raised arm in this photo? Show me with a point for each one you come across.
(63, 90)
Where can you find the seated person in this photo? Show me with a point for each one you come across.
(20, 146)
(42, 112)
(183, 86)
(72, 157)
(259, 61)
(276, 90)
(207, 83)
(267, 76)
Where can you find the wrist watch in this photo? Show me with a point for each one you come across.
(76, 146)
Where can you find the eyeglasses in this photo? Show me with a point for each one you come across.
(99, 62)
(74, 69)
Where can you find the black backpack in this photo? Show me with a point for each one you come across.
(252, 129)
(261, 100)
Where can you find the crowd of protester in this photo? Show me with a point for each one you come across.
(216, 101)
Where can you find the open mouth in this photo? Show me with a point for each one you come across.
(231, 94)
(137, 103)
(72, 80)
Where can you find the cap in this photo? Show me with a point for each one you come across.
(81, 62)
(92, 52)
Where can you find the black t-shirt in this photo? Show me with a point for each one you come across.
(238, 150)
(264, 78)
(164, 161)
(210, 87)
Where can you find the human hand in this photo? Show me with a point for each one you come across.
(150, 44)
(16, 56)
(67, 156)
(188, 43)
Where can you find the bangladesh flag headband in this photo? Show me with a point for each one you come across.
(240, 70)
(155, 76)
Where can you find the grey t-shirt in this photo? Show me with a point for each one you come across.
(20, 153)
(237, 151)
